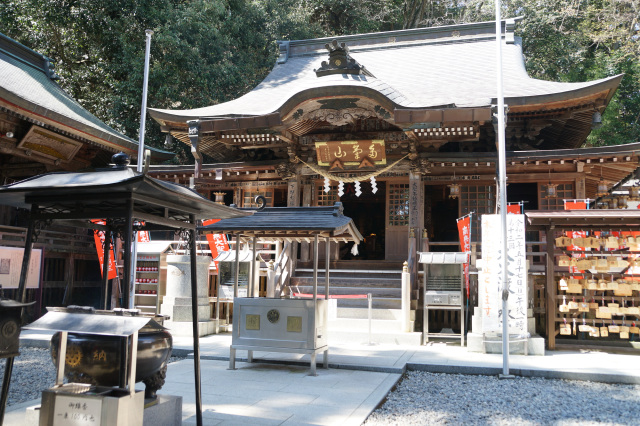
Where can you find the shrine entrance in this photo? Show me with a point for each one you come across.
(440, 218)
(368, 214)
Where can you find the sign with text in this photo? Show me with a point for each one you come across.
(490, 277)
(76, 411)
(11, 267)
(351, 153)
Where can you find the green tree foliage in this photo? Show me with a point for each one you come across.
(210, 51)
(583, 40)
(203, 51)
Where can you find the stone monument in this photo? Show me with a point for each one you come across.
(177, 301)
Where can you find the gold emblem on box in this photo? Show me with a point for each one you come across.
(252, 322)
(294, 324)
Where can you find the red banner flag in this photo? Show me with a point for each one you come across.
(98, 237)
(217, 242)
(464, 231)
(514, 208)
(575, 205)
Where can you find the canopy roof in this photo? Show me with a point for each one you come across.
(595, 219)
(109, 194)
(102, 323)
(291, 224)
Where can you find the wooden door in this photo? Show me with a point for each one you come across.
(397, 221)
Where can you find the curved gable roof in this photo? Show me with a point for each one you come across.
(452, 66)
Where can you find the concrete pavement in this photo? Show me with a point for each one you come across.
(275, 389)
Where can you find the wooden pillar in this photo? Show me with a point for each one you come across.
(194, 138)
(551, 290)
(307, 192)
(26, 259)
(293, 192)
(293, 200)
(416, 203)
(581, 190)
(69, 278)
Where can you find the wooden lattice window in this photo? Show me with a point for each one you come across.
(249, 196)
(480, 199)
(398, 204)
(326, 198)
(563, 191)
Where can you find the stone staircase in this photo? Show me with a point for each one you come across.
(382, 279)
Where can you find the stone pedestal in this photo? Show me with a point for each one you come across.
(492, 343)
(177, 301)
(167, 412)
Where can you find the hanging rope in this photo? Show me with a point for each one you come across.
(350, 179)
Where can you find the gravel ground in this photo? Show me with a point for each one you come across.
(426, 399)
(33, 372)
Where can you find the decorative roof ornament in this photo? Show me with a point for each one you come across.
(340, 62)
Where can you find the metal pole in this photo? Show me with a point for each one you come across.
(127, 297)
(143, 111)
(237, 267)
(315, 269)
(370, 305)
(194, 319)
(502, 183)
(105, 267)
(143, 120)
(253, 268)
(327, 266)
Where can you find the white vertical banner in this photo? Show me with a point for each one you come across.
(517, 274)
(490, 289)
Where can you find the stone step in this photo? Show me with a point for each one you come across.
(349, 272)
(349, 282)
(377, 303)
(358, 324)
(379, 314)
(376, 292)
(363, 338)
(356, 264)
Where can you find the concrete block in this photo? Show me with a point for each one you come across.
(476, 323)
(185, 329)
(32, 416)
(474, 342)
(536, 345)
(332, 311)
(167, 412)
(182, 313)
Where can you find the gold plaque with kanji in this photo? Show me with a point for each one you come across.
(351, 153)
